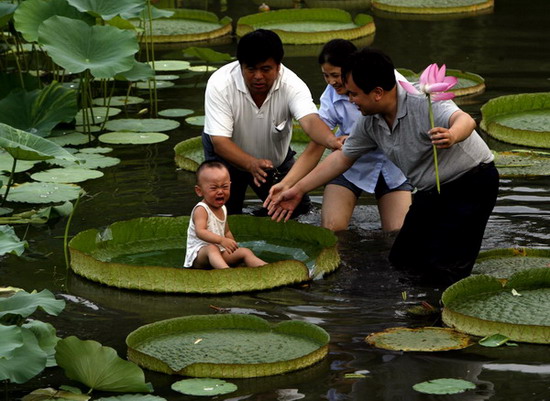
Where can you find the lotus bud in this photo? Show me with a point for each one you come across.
(263, 8)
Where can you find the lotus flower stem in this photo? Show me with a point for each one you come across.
(436, 165)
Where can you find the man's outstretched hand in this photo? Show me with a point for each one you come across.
(281, 205)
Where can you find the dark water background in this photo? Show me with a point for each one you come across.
(509, 47)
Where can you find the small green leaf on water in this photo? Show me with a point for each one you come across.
(444, 386)
(354, 376)
(495, 340)
(205, 387)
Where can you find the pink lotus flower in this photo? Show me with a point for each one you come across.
(434, 84)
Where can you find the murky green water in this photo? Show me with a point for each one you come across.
(510, 48)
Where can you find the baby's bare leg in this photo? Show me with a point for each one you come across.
(210, 255)
(243, 254)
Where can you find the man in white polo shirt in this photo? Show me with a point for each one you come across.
(250, 105)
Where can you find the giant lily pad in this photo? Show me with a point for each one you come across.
(228, 345)
(519, 119)
(502, 263)
(518, 309)
(432, 6)
(187, 25)
(309, 26)
(468, 82)
(147, 254)
(421, 339)
(522, 163)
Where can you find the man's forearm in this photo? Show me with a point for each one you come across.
(335, 164)
(231, 152)
(305, 163)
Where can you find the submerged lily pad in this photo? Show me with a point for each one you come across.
(206, 387)
(420, 339)
(309, 25)
(43, 192)
(66, 175)
(133, 138)
(444, 386)
(228, 345)
(502, 263)
(522, 119)
(147, 254)
(432, 6)
(482, 305)
(142, 125)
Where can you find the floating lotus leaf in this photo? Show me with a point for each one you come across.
(227, 345)
(142, 125)
(204, 387)
(69, 138)
(31, 13)
(147, 254)
(118, 101)
(53, 394)
(432, 6)
(104, 50)
(133, 138)
(6, 163)
(97, 115)
(518, 309)
(90, 161)
(189, 153)
(309, 25)
(43, 192)
(207, 55)
(522, 119)
(158, 85)
(420, 339)
(202, 68)
(66, 175)
(166, 77)
(25, 304)
(502, 263)
(468, 82)
(444, 386)
(98, 149)
(170, 65)
(188, 25)
(195, 120)
(175, 112)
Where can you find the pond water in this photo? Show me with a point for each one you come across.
(510, 48)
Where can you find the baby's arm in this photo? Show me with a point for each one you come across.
(200, 218)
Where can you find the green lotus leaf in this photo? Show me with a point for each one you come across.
(43, 192)
(96, 115)
(142, 125)
(444, 386)
(133, 138)
(432, 6)
(522, 163)
(6, 12)
(148, 253)
(166, 77)
(228, 345)
(204, 387)
(495, 340)
(118, 100)
(11, 340)
(207, 55)
(47, 339)
(157, 85)
(104, 50)
(139, 71)
(45, 394)
(202, 68)
(521, 119)
(62, 138)
(133, 397)
(25, 304)
(108, 9)
(195, 120)
(89, 161)
(6, 163)
(99, 367)
(40, 110)
(481, 305)
(503, 263)
(24, 146)
(41, 216)
(170, 65)
(66, 175)
(423, 339)
(26, 362)
(96, 150)
(31, 13)
(189, 25)
(175, 112)
(309, 26)
(10, 242)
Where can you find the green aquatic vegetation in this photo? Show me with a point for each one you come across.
(444, 386)
(522, 163)
(133, 138)
(10, 242)
(203, 387)
(43, 192)
(425, 339)
(66, 175)
(431, 7)
(503, 263)
(142, 125)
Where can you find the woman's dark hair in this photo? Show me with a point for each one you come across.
(336, 52)
(371, 68)
(258, 46)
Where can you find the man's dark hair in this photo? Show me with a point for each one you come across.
(208, 164)
(336, 52)
(258, 46)
(370, 68)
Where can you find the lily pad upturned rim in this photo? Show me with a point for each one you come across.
(364, 24)
(523, 102)
(530, 279)
(227, 321)
(508, 253)
(466, 8)
(522, 163)
(182, 280)
(379, 339)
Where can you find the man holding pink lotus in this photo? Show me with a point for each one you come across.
(443, 230)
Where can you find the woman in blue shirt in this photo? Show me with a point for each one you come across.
(372, 172)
